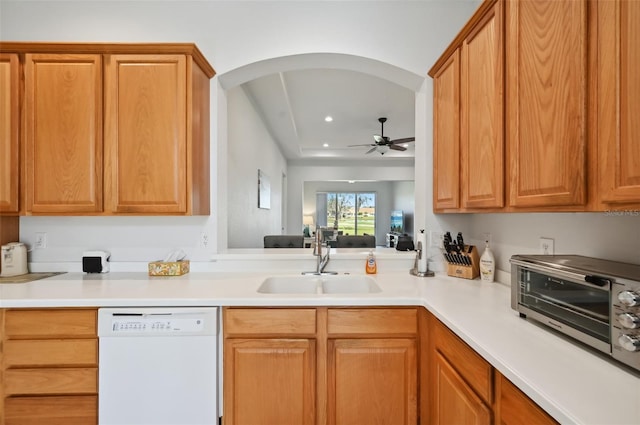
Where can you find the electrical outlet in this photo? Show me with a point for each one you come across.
(204, 240)
(41, 240)
(546, 246)
(435, 239)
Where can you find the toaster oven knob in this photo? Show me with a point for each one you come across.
(629, 298)
(629, 342)
(629, 320)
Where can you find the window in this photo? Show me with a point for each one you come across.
(349, 213)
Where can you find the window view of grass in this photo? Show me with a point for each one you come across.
(352, 213)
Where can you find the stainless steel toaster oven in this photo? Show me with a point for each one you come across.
(592, 300)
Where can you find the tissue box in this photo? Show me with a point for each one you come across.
(161, 268)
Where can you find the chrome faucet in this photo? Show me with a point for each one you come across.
(319, 243)
(322, 258)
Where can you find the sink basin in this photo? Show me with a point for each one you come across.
(339, 284)
(289, 285)
(347, 284)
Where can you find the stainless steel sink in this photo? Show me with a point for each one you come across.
(336, 284)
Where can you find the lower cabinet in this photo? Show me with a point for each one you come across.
(67, 410)
(320, 365)
(372, 370)
(455, 401)
(49, 366)
(513, 407)
(273, 381)
(464, 389)
(324, 365)
(460, 386)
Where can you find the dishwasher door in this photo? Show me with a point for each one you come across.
(158, 366)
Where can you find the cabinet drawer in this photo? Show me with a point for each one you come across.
(67, 410)
(51, 381)
(50, 323)
(260, 321)
(51, 352)
(368, 321)
(469, 364)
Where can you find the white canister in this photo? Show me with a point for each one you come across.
(13, 259)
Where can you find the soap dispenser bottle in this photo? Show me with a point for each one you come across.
(371, 266)
(487, 264)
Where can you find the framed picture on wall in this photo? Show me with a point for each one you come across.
(264, 191)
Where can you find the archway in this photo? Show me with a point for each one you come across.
(249, 72)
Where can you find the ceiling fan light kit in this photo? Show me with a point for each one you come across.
(383, 144)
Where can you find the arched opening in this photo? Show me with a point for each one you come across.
(309, 61)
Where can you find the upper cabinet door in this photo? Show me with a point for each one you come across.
(9, 142)
(482, 129)
(446, 134)
(63, 133)
(145, 129)
(546, 70)
(618, 101)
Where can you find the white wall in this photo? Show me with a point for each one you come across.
(235, 34)
(250, 147)
(231, 34)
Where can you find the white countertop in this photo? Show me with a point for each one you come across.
(573, 384)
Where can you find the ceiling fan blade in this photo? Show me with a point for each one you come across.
(405, 140)
(371, 150)
(397, 148)
(366, 144)
(379, 139)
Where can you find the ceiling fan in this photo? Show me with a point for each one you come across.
(382, 144)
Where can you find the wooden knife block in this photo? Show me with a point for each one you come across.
(465, 271)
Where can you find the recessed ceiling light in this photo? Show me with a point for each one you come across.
(405, 145)
(328, 118)
(352, 181)
(325, 145)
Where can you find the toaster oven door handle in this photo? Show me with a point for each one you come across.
(588, 280)
(598, 281)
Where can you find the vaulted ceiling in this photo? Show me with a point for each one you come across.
(294, 104)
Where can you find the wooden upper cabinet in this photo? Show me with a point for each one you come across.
(63, 133)
(482, 111)
(546, 74)
(618, 105)
(108, 129)
(446, 134)
(9, 142)
(145, 129)
(156, 135)
(468, 110)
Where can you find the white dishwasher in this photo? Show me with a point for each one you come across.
(158, 366)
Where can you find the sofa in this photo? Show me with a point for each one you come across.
(284, 241)
(355, 241)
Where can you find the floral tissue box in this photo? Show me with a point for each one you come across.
(174, 268)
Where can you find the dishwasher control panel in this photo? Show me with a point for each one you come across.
(157, 321)
(152, 324)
